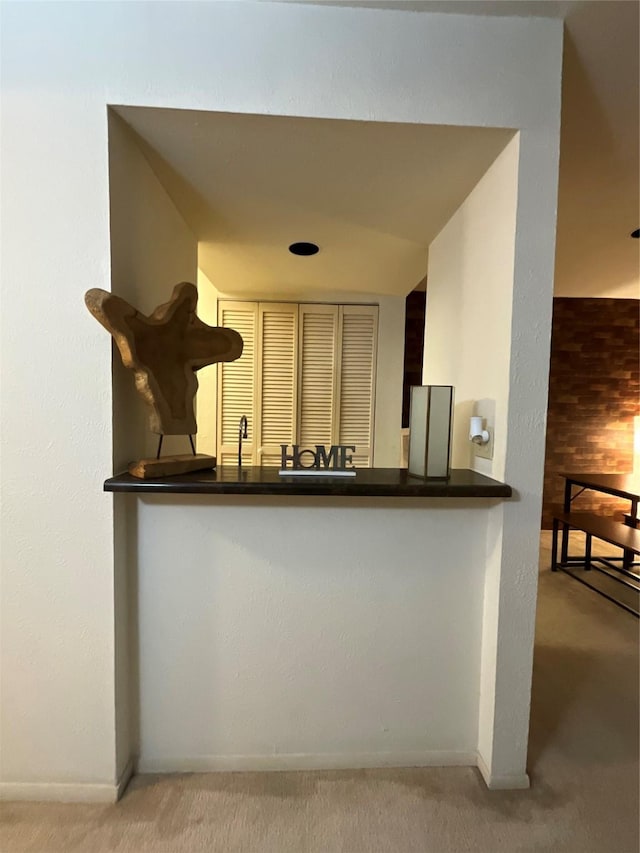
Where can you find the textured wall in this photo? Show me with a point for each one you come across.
(58, 606)
(482, 338)
(259, 651)
(151, 251)
(594, 385)
(468, 340)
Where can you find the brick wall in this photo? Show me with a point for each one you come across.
(594, 388)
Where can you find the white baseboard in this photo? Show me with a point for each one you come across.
(509, 782)
(125, 778)
(59, 792)
(67, 792)
(303, 761)
(64, 792)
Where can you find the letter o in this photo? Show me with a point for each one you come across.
(314, 464)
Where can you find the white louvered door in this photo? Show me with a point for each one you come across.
(356, 397)
(237, 385)
(277, 392)
(317, 374)
(306, 376)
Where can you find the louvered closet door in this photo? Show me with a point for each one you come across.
(359, 333)
(236, 384)
(276, 400)
(317, 374)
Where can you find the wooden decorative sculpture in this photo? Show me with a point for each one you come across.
(164, 350)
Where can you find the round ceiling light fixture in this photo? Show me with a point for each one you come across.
(304, 249)
(636, 233)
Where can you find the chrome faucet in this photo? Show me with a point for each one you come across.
(242, 433)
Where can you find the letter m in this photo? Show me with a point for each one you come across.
(324, 461)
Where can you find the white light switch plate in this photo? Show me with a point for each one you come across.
(484, 451)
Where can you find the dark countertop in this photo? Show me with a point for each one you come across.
(382, 482)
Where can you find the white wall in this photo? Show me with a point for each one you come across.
(468, 344)
(207, 396)
(389, 374)
(479, 338)
(152, 249)
(268, 653)
(58, 684)
(468, 316)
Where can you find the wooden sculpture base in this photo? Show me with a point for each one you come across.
(168, 466)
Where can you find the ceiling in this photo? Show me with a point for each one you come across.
(263, 182)
(598, 202)
(372, 195)
(599, 152)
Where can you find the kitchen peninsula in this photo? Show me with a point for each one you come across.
(368, 482)
(317, 621)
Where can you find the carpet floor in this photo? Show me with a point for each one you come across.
(583, 763)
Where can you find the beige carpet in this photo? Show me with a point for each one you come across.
(583, 764)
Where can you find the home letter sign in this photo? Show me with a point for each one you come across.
(337, 459)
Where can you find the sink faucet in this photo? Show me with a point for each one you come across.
(242, 433)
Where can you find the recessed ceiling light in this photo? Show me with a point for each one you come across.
(636, 233)
(303, 249)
